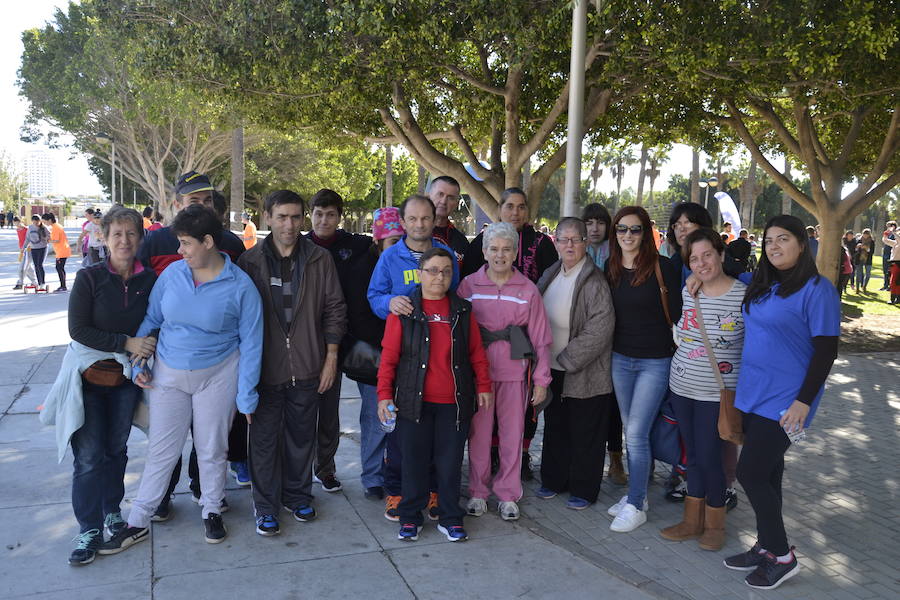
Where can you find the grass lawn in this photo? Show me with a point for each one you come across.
(871, 303)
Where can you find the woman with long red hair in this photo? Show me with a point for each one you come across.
(646, 295)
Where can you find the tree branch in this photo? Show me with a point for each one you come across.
(474, 81)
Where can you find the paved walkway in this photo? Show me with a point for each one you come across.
(841, 510)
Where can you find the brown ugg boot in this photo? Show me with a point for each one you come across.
(691, 526)
(713, 537)
(617, 469)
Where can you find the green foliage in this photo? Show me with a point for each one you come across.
(12, 183)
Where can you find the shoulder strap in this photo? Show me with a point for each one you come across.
(663, 293)
(713, 363)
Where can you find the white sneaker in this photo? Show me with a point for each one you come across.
(616, 508)
(476, 507)
(628, 519)
(509, 511)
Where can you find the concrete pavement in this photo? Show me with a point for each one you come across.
(841, 498)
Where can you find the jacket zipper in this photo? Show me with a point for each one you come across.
(290, 363)
(453, 368)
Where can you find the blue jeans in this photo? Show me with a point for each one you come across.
(371, 438)
(861, 275)
(101, 452)
(640, 384)
(698, 422)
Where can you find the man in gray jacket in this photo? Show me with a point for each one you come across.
(304, 320)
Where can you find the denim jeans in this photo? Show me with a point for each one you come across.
(640, 384)
(861, 275)
(371, 438)
(100, 447)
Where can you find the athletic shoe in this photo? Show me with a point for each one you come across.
(267, 525)
(86, 545)
(376, 492)
(454, 533)
(18, 286)
(214, 528)
(746, 561)
(676, 488)
(476, 507)
(771, 573)
(124, 539)
(545, 493)
(330, 483)
(304, 513)
(731, 499)
(628, 519)
(409, 532)
(60, 290)
(241, 472)
(432, 510)
(576, 503)
(618, 506)
(391, 513)
(114, 523)
(509, 511)
(163, 511)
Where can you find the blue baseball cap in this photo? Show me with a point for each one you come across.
(191, 182)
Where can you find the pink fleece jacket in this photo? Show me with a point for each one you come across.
(518, 302)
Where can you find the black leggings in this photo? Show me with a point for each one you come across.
(760, 470)
(61, 271)
(37, 257)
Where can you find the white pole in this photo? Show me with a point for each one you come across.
(112, 195)
(576, 108)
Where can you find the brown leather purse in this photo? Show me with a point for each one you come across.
(107, 373)
(731, 420)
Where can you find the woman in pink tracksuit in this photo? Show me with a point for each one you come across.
(502, 298)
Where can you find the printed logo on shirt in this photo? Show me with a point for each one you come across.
(725, 367)
(345, 253)
(690, 319)
(438, 318)
(728, 322)
(411, 276)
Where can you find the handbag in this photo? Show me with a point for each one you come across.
(731, 426)
(665, 440)
(360, 360)
(107, 373)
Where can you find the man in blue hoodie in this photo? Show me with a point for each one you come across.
(395, 276)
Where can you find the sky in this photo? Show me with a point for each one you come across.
(72, 176)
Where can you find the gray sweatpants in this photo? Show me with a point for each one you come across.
(204, 397)
(26, 268)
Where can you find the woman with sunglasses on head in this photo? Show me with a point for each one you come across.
(792, 319)
(645, 291)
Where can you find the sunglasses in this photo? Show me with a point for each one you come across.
(635, 229)
(434, 272)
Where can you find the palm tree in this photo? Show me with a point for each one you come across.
(658, 155)
(616, 157)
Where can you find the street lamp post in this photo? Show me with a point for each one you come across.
(707, 183)
(103, 138)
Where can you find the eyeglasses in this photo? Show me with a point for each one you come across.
(572, 240)
(635, 229)
(434, 272)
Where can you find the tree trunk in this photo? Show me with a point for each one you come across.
(749, 191)
(695, 176)
(785, 198)
(641, 175)
(388, 176)
(423, 180)
(237, 178)
(828, 258)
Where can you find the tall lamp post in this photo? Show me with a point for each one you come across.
(707, 183)
(103, 138)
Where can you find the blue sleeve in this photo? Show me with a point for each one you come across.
(250, 331)
(379, 293)
(822, 308)
(745, 278)
(154, 317)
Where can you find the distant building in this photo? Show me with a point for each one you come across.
(38, 173)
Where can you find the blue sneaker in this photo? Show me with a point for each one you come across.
(409, 532)
(576, 503)
(454, 533)
(545, 493)
(241, 473)
(304, 513)
(267, 525)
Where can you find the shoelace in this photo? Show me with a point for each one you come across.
(83, 540)
(113, 520)
(267, 520)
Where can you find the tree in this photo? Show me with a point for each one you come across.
(616, 157)
(812, 79)
(452, 82)
(658, 155)
(13, 186)
(80, 77)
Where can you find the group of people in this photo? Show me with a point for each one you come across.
(34, 241)
(7, 219)
(452, 344)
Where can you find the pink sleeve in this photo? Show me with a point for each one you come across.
(541, 338)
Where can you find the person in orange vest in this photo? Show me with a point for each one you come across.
(60, 247)
(249, 236)
(148, 217)
(727, 231)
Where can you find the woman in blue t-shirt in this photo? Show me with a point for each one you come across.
(792, 322)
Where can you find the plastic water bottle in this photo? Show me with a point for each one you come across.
(388, 425)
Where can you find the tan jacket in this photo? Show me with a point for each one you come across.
(587, 358)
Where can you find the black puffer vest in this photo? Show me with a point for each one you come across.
(410, 377)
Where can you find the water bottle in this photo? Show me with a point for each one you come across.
(388, 425)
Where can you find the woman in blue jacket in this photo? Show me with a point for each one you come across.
(209, 317)
(792, 323)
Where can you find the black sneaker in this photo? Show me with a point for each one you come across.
(731, 499)
(746, 561)
(267, 525)
(18, 286)
(676, 488)
(223, 508)
(330, 483)
(527, 473)
(215, 528)
(163, 511)
(86, 545)
(771, 573)
(124, 539)
(375, 492)
(114, 523)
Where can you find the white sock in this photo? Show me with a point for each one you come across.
(786, 558)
